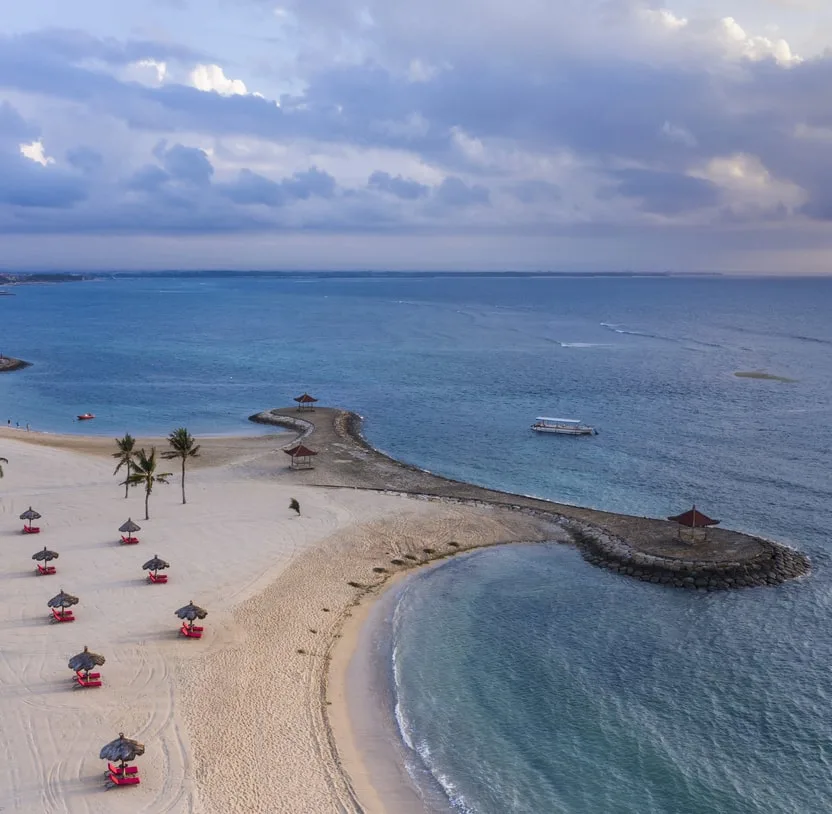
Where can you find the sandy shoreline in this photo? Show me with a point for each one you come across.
(255, 716)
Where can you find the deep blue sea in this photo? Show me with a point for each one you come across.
(527, 681)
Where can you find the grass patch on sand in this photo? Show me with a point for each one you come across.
(761, 374)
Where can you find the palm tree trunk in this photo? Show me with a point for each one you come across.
(127, 482)
(183, 482)
(146, 501)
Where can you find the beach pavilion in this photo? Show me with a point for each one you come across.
(693, 519)
(301, 456)
(306, 402)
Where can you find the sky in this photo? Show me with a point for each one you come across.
(444, 134)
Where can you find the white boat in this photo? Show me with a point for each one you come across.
(562, 426)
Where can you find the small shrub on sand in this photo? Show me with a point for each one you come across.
(397, 562)
(354, 584)
(453, 544)
(428, 550)
(410, 557)
(379, 570)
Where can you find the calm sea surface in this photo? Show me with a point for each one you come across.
(526, 680)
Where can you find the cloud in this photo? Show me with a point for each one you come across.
(211, 78)
(29, 184)
(34, 152)
(189, 164)
(405, 188)
(665, 193)
(250, 188)
(84, 158)
(536, 191)
(454, 192)
(453, 115)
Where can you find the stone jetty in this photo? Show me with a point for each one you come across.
(643, 548)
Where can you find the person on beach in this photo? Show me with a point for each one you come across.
(294, 505)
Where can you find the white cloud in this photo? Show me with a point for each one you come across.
(157, 71)
(749, 186)
(34, 151)
(663, 18)
(756, 48)
(212, 78)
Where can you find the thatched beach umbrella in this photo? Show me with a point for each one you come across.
(191, 612)
(45, 555)
(28, 516)
(155, 564)
(129, 527)
(85, 661)
(62, 600)
(121, 749)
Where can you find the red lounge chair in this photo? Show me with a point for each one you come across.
(63, 616)
(80, 674)
(129, 540)
(82, 682)
(191, 634)
(160, 579)
(31, 529)
(46, 569)
(123, 780)
(117, 769)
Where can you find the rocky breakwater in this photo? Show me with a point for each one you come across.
(772, 565)
(8, 364)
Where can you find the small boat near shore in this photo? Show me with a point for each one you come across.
(85, 416)
(563, 426)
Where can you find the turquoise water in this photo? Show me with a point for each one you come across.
(627, 697)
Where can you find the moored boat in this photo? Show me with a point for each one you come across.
(562, 426)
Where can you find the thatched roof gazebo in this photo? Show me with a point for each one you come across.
(82, 663)
(122, 750)
(301, 456)
(60, 604)
(154, 565)
(27, 517)
(129, 527)
(42, 558)
(189, 614)
(305, 402)
(693, 519)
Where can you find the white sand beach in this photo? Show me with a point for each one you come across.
(236, 721)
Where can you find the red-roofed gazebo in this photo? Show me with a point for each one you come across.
(693, 519)
(301, 456)
(306, 402)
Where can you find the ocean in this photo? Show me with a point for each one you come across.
(524, 679)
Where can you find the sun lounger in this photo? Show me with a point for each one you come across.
(82, 682)
(197, 628)
(31, 529)
(63, 616)
(191, 634)
(158, 578)
(117, 769)
(129, 540)
(124, 780)
(80, 674)
(46, 569)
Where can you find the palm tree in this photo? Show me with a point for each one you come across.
(126, 450)
(182, 446)
(144, 474)
(2, 461)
